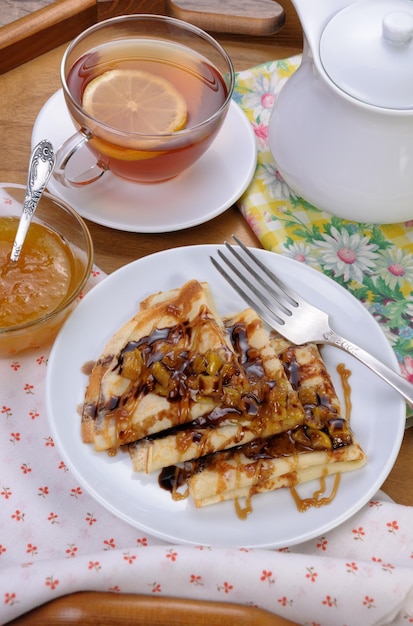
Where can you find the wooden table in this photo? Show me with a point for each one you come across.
(25, 89)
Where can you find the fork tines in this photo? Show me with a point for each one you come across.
(259, 284)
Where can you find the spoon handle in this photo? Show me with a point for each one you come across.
(41, 166)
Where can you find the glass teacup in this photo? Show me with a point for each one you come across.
(148, 93)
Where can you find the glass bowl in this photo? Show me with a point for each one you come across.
(38, 292)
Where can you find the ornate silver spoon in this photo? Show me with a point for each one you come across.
(42, 162)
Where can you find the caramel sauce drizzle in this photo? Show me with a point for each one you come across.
(88, 367)
(243, 511)
(317, 501)
(318, 498)
(345, 374)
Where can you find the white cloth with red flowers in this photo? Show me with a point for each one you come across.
(55, 539)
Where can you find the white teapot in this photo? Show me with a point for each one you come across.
(341, 131)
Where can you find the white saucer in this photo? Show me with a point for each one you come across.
(207, 189)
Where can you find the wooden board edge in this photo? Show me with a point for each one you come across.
(113, 609)
(248, 18)
(110, 8)
(45, 29)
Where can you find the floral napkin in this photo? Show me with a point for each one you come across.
(374, 262)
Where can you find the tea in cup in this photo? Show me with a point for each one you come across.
(148, 93)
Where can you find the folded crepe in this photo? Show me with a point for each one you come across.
(322, 445)
(265, 406)
(308, 374)
(168, 365)
(225, 408)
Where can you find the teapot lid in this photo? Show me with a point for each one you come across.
(367, 51)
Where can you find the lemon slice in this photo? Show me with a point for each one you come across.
(134, 101)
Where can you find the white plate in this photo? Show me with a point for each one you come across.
(378, 413)
(205, 190)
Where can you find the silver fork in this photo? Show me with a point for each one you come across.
(292, 317)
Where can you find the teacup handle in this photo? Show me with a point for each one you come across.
(66, 151)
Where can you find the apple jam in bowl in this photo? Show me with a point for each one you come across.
(38, 291)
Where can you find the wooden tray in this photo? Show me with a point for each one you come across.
(56, 24)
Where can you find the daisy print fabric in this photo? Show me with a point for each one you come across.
(374, 262)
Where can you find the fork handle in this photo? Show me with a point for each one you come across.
(392, 378)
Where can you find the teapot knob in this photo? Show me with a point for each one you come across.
(398, 27)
